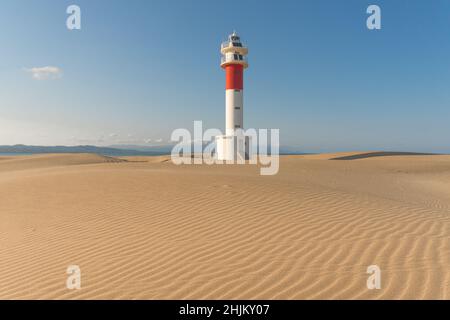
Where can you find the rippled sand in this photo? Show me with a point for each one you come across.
(143, 228)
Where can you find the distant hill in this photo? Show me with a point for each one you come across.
(107, 151)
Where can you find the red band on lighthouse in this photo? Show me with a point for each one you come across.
(235, 76)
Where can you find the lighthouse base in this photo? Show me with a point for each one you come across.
(233, 147)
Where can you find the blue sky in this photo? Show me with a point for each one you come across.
(137, 70)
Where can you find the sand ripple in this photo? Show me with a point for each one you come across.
(151, 230)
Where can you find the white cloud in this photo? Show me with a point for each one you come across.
(45, 73)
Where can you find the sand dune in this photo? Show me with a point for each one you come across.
(379, 154)
(147, 229)
(14, 163)
(355, 155)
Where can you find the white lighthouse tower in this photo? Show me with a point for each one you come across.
(233, 145)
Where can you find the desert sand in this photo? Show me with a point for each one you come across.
(143, 228)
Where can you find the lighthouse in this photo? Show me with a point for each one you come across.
(233, 145)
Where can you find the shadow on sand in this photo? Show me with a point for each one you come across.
(382, 154)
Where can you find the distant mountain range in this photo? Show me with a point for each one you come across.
(114, 150)
(164, 149)
(107, 151)
(167, 149)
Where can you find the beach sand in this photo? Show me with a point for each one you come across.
(143, 228)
